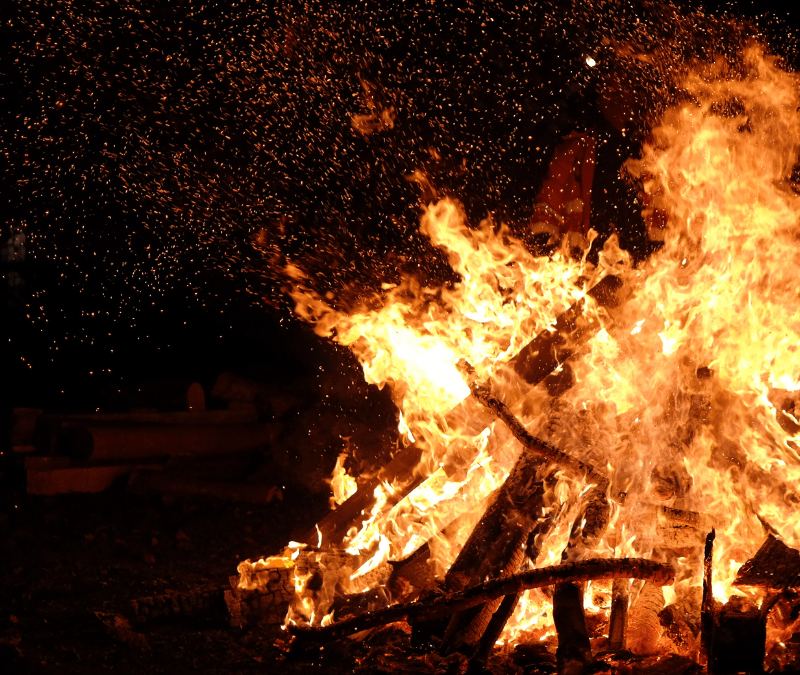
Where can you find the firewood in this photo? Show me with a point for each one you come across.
(263, 596)
(574, 648)
(644, 627)
(573, 466)
(495, 547)
(551, 348)
(574, 651)
(533, 363)
(495, 628)
(465, 628)
(588, 570)
(707, 603)
(739, 638)
(774, 566)
(618, 621)
(681, 622)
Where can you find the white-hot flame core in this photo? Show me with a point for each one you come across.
(678, 399)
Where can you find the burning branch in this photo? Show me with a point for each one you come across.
(575, 467)
(445, 605)
(533, 363)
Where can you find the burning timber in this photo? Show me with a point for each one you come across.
(660, 418)
(589, 570)
(533, 363)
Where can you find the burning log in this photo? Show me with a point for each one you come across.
(574, 648)
(573, 466)
(263, 599)
(533, 363)
(588, 570)
(574, 652)
(644, 628)
(774, 566)
(495, 548)
(618, 621)
(707, 606)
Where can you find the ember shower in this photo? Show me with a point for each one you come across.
(163, 162)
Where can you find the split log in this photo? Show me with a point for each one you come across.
(533, 363)
(574, 648)
(588, 570)
(774, 566)
(618, 621)
(495, 548)
(644, 628)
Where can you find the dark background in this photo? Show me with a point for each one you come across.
(165, 160)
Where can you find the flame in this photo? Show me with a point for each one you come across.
(343, 485)
(680, 399)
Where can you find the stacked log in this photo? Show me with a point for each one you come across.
(264, 597)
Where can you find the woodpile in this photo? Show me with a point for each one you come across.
(175, 452)
(264, 597)
(467, 613)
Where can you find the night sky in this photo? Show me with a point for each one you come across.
(164, 161)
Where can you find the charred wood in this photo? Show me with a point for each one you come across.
(574, 651)
(598, 569)
(707, 603)
(644, 627)
(774, 566)
(681, 623)
(618, 621)
(493, 631)
(739, 639)
(495, 548)
(533, 363)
